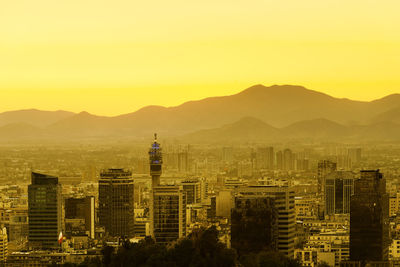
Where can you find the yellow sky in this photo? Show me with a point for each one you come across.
(113, 57)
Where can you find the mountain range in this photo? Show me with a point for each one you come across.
(257, 113)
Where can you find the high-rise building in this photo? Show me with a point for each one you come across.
(324, 167)
(192, 189)
(354, 154)
(279, 160)
(254, 224)
(116, 202)
(3, 246)
(265, 158)
(369, 225)
(80, 208)
(169, 213)
(44, 211)
(288, 160)
(156, 160)
(284, 201)
(339, 186)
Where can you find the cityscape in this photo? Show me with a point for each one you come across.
(325, 204)
(245, 133)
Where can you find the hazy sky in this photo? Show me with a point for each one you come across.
(112, 57)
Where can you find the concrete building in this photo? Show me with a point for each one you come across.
(116, 202)
(44, 210)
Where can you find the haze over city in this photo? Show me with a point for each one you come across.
(200, 133)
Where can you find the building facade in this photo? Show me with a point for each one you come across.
(116, 202)
(369, 225)
(284, 201)
(339, 187)
(254, 224)
(169, 217)
(44, 211)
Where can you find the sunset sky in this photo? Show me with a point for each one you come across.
(113, 57)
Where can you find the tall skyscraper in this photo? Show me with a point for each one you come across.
(169, 213)
(283, 197)
(254, 224)
(369, 225)
(339, 186)
(80, 208)
(44, 211)
(324, 167)
(156, 160)
(116, 202)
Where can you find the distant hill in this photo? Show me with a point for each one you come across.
(33, 117)
(247, 128)
(295, 111)
(253, 130)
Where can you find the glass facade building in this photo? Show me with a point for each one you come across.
(116, 202)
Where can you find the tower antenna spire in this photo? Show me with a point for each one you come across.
(155, 136)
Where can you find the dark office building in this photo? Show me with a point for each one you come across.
(116, 205)
(44, 211)
(83, 209)
(254, 225)
(339, 186)
(369, 225)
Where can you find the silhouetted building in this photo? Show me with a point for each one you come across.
(283, 197)
(116, 202)
(354, 154)
(44, 211)
(288, 160)
(339, 186)
(324, 168)
(265, 158)
(369, 225)
(80, 208)
(254, 224)
(169, 220)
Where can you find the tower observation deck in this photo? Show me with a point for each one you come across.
(155, 157)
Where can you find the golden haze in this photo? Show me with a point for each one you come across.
(113, 57)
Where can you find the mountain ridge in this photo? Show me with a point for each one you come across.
(279, 105)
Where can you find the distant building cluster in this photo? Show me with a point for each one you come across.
(318, 206)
